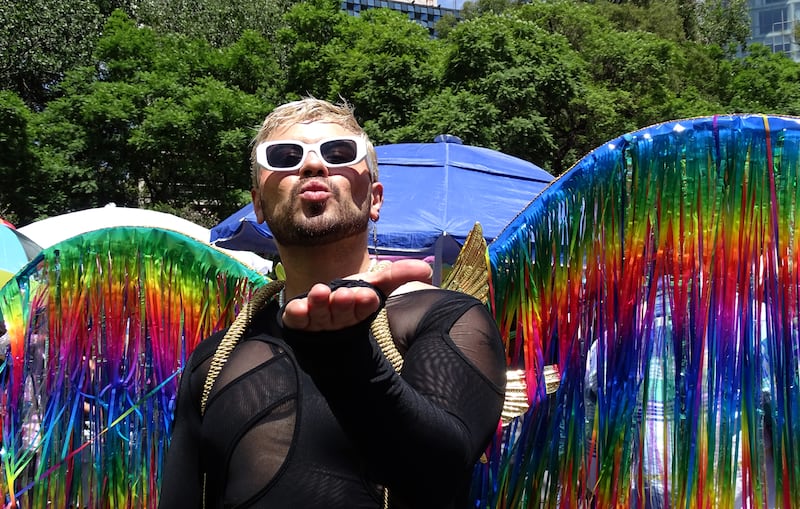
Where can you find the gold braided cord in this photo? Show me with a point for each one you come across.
(383, 335)
(234, 334)
(381, 331)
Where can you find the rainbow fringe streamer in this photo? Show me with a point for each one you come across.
(100, 326)
(668, 259)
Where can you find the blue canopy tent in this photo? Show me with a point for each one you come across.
(434, 194)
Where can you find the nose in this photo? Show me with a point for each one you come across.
(313, 166)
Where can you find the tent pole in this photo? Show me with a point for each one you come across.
(437, 260)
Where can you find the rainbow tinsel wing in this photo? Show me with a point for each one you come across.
(661, 275)
(99, 327)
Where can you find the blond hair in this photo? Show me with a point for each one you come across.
(311, 109)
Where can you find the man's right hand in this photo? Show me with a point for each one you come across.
(325, 309)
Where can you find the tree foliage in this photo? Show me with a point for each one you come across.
(763, 82)
(19, 168)
(40, 40)
(219, 22)
(383, 64)
(527, 74)
(157, 107)
(160, 119)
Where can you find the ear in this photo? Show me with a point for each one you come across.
(377, 201)
(257, 208)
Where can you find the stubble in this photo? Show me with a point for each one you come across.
(320, 222)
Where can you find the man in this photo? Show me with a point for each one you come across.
(307, 411)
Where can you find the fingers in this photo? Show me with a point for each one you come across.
(323, 309)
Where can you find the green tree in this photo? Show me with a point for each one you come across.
(465, 114)
(764, 82)
(156, 121)
(612, 60)
(723, 23)
(473, 9)
(310, 26)
(383, 63)
(531, 79)
(251, 65)
(106, 7)
(380, 61)
(445, 24)
(20, 171)
(699, 75)
(219, 22)
(660, 17)
(40, 40)
(612, 77)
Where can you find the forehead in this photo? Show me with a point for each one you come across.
(308, 131)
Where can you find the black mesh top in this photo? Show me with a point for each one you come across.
(321, 420)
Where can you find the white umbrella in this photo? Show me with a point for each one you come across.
(51, 231)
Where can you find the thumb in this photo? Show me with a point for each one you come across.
(393, 275)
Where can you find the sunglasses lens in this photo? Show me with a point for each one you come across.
(284, 155)
(339, 151)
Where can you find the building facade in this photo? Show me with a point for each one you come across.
(773, 25)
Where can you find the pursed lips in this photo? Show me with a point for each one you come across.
(314, 191)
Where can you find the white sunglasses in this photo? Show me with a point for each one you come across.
(289, 155)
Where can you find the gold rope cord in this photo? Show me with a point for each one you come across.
(234, 334)
(383, 335)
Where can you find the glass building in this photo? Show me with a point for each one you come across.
(773, 24)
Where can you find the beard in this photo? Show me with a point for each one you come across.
(320, 223)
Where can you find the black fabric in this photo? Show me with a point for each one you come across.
(321, 420)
